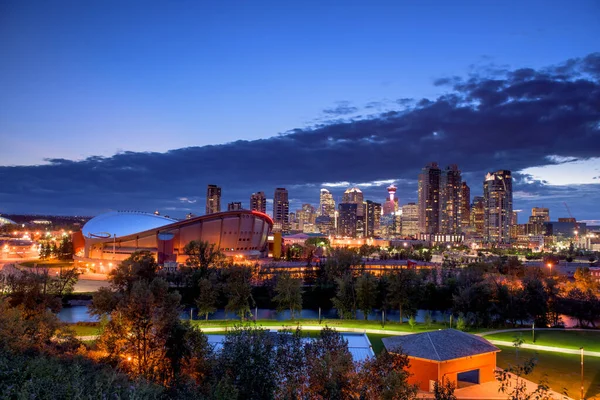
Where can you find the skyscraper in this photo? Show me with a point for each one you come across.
(410, 220)
(372, 218)
(347, 219)
(354, 195)
(213, 199)
(465, 205)
(498, 203)
(281, 211)
(326, 203)
(450, 193)
(429, 199)
(478, 215)
(258, 202)
(234, 206)
(391, 204)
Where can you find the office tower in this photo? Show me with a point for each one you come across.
(234, 206)
(281, 211)
(410, 220)
(478, 215)
(372, 218)
(347, 219)
(326, 203)
(213, 199)
(498, 203)
(305, 216)
(258, 202)
(429, 199)
(540, 214)
(450, 193)
(354, 195)
(465, 205)
(391, 203)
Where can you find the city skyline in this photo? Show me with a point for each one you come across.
(142, 107)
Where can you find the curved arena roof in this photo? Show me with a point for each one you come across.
(123, 223)
(6, 221)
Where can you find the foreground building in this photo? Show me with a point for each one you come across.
(458, 356)
(112, 237)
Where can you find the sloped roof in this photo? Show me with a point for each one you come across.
(442, 345)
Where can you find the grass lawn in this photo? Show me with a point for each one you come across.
(332, 323)
(567, 339)
(48, 264)
(562, 370)
(84, 330)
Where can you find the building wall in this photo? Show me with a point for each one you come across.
(485, 363)
(422, 372)
(234, 233)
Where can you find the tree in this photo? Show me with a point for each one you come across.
(403, 292)
(427, 319)
(330, 367)
(247, 360)
(444, 390)
(138, 335)
(513, 383)
(65, 281)
(202, 255)
(345, 298)
(385, 377)
(140, 265)
(366, 293)
(65, 248)
(288, 293)
(412, 322)
(207, 299)
(291, 366)
(238, 290)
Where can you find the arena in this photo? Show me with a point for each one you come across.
(110, 238)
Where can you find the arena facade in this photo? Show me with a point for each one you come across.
(109, 238)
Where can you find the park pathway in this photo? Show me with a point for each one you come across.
(539, 347)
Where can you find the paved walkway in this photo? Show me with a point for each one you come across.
(539, 347)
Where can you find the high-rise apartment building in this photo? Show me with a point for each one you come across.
(498, 203)
(478, 215)
(258, 202)
(326, 203)
(354, 195)
(281, 211)
(305, 216)
(429, 199)
(372, 218)
(410, 220)
(213, 199)
(450, 204)
(465, 205)
(234, 206)
(391, 203)
(347, 219)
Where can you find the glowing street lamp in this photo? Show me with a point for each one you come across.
(581, 348)
(550, 266)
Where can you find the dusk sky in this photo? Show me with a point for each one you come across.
(138, 105)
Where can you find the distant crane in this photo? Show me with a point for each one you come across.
(576, 224)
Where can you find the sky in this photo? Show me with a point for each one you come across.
(140, 104)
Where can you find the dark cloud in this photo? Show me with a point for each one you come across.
(342, 108)
(484, 122)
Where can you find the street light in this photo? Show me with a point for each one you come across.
(581, 348)
(550, 266)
